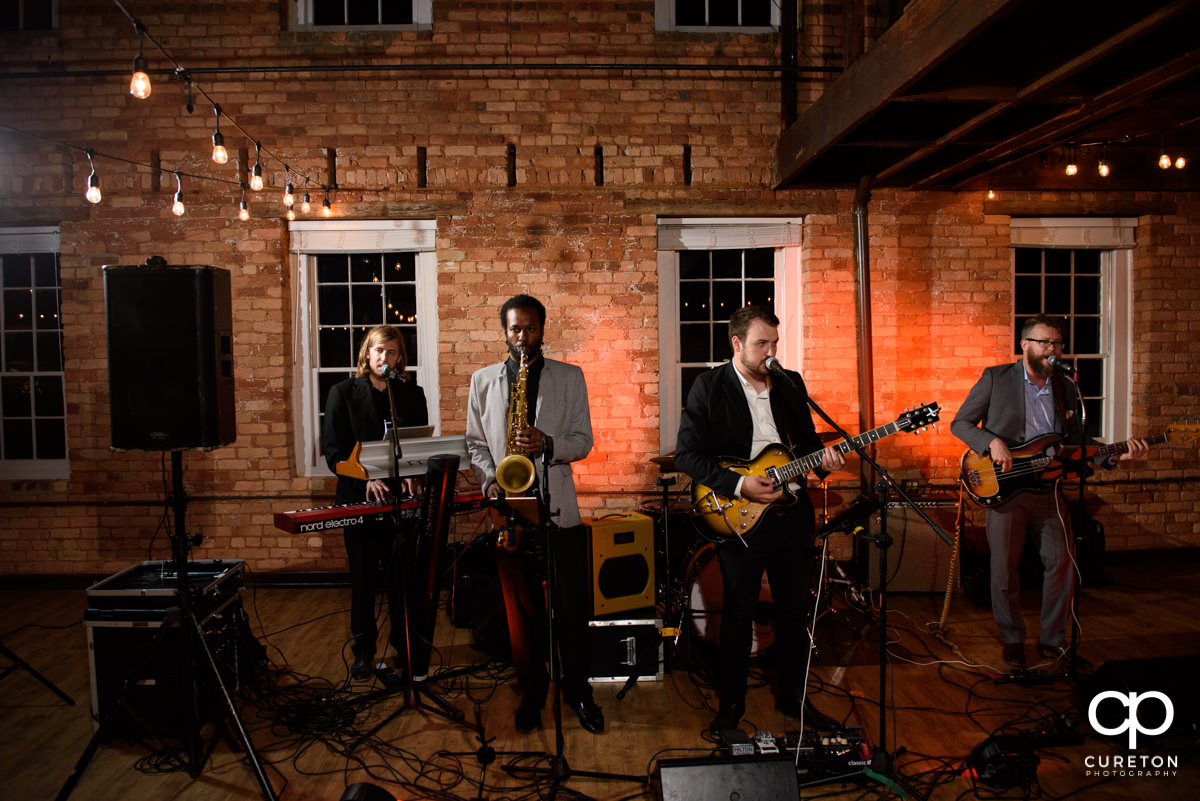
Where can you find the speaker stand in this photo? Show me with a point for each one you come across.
(20, 664)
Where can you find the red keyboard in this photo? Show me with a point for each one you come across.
(322, 518)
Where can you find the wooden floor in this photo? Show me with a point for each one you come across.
(312, 729)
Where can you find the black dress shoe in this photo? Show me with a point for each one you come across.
(363, 667)
(591, 716)
(813, 717)
(728, 717)
(528, 718)
(1014, 654)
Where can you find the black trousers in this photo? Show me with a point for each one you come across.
(375, 567)
(523, 581)
(782, 545)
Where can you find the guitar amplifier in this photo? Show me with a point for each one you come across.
(918, 559)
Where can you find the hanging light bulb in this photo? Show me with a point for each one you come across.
(1102, 167)
(256, 181)
(289, 194)
(306, 204)
(220, 154)
(1072, 164)
(243, 210)
(291, 213)
(139, 84)
(93, 190)
(1180, 163)
(177, 209)
(326, 208)
(991, 193)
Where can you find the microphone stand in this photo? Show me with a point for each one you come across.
(882, 762)
(1084, 470)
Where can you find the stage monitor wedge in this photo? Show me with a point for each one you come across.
(170, 356)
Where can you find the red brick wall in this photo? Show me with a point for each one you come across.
(940, 267)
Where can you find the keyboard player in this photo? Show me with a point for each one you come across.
(355, 411)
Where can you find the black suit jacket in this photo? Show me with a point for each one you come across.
(350, 417)
(717, 423)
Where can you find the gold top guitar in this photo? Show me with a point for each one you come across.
(736, 517)
(1034, 470)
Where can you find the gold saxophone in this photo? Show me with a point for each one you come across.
(515, 473)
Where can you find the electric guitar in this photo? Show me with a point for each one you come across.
(737, 517)
(1034, 470)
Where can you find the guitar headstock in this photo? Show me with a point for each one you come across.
(1183, 433)
(917, 419)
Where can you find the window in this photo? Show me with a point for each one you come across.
(708, 268)
(333, 14)
(1079, 269)
(709, 15)
(355, 275)
(28, 15)
(33, 434)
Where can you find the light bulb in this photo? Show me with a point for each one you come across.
(326, 209)
(306, 205)
(243, 212)
(291, 213)
(220, 154)
(1072, 168)
(1164, 161)
(1180, 163)
(289, 195)
(178, 208)
(256, 182)
(1102, 168)
(139, 85)
(991, 195)
(93, 190)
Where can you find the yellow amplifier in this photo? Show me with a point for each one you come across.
(622, 562)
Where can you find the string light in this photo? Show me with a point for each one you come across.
(178, 208)
(291, 213)
(306, 204)
(256, 181)
(326, 208)
(220, 154)
(1102, 167)
(1164, 160)
(93, 190)
(1180, 163)
(139, 84)
(243, 210)
(289, 194)
(991, 193)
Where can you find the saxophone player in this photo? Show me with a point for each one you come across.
(553, 398)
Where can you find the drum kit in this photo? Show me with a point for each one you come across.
(689, 583)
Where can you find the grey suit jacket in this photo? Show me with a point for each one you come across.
(562, 413)
(995, 407)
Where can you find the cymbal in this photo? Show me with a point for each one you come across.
(665, 463)
(838, 475)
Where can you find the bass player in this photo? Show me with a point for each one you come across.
(1012, 404)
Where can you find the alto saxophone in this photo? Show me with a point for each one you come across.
(515, 473)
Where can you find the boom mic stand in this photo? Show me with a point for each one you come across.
(193, 639)
(882, 762)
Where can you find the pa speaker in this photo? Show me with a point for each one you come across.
(622, 562)
(170, 356)
(748, 778)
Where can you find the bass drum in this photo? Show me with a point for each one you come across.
(707, 593)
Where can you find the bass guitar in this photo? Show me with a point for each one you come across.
(1035, 470)
(736, 517)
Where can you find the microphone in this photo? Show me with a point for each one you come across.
(1059, 364)
(773, 365)
(392, 374)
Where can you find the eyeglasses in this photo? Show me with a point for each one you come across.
(1058, 343)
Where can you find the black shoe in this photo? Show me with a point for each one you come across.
(727, 717)
(813, 718)
(528, 718)
(1014, 654)
(363, 667)
(591, 716)
(1061, 654)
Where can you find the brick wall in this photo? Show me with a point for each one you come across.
(940, 275)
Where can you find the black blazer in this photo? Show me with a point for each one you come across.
(717, 423)
(350, 418)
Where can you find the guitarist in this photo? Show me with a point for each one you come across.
(1012, 404)
(736, 410)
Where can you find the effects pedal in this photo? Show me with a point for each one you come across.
(765, 743)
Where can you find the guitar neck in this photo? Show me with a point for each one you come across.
(805, 463)
(1117, 448)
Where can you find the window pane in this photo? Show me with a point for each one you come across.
(1087, 294)
(17, 271)
(45, 309)
(722, 348)
(1087, 261)
(1058, 261)
(1095, 416)
(362, 12)
(727, 264)
(18, 309)
(1028, 260)
(366, 268)
(328, 12)
(332, 268)
(48, 396)
(723, 13)
(1058, 295)
(397, 13)
(693, 301)
(689, 12)
(45, 269)
(694, 343)
(18, 439)
(1087, 335)
(1090, 375)
(401, 303)
(1027, 295)
(335, 349)
(18, 353)
(51, 439)
(366, 303)
(760, 263)
(727, 298)
(49, 353)
(333, 305)
(401, 266)
(693, 264)
(15, 397)
(761, 293)
(756, 12)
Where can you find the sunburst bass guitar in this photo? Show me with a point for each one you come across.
(1035, 470)
(736, 517)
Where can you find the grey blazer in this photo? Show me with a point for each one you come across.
(995, 407)
(562, 413)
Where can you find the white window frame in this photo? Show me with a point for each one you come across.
(1115, 237)
(302, 14)
(40, 239)
(721, 233)
(310, 238)
(664, 20)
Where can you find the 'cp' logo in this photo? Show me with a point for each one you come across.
(1133, 722)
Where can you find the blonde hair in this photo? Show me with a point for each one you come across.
(377, 336)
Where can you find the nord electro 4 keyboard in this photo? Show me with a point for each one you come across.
(305, 521)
